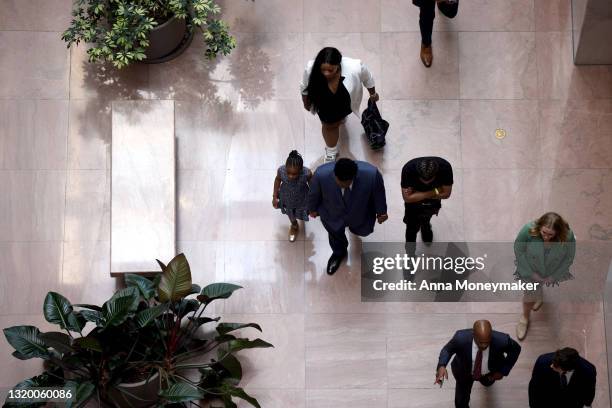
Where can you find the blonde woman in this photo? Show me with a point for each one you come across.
(544, 251)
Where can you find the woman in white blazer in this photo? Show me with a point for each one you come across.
(332, 88)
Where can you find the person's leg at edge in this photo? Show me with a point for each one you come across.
(337, 241)
(463, 389)
(331, 134)
(426, 231)
(426, 19)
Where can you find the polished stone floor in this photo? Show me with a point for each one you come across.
(499, 64)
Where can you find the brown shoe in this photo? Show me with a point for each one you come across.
(426, 55)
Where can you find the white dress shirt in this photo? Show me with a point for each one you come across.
(484, 369)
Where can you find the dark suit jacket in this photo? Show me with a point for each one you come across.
(367, 198)
(503, 353)
(545, 385)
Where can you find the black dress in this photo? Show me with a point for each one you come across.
(335, 106)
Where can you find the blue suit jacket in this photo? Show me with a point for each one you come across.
(367, 198)
(503, 353)
(545, 385)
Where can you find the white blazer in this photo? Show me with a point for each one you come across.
(356, 76)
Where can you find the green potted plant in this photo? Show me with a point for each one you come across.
(145, 346)
(126, 31)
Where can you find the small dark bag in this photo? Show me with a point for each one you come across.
(374, 125)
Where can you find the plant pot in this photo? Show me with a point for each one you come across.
(144, 391)
(168, 40)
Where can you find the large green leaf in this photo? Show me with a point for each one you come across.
(87, 306)
(129, 291)
(203, 320)
(241, 344)
(175, 282)
(76, 321)
(27, 341)
(58, 341)
(83, 392)
(118, 308)
(92, 316)
(240, 393)
(181, 392)
(144, 285)
(224, 328)
(232, 366)
(187, 306)
(144, 317)
(217, 291)
(57, 309)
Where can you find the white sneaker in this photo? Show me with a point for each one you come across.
(331, 154)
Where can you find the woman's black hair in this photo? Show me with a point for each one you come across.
(317, 83)
(295, 160)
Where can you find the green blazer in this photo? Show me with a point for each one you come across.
(531, 257)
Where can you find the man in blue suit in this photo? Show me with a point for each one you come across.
(481, 354)
(562, 380)
(347, 194)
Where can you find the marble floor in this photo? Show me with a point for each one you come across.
(499, 64)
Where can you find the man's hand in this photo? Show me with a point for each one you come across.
(275, 202)
(496, 376)
(313, 214)
(382, 218)
(374, 97)
(441, 375)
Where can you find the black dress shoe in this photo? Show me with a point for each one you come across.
(334, 263)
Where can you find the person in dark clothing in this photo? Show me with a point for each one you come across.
(480, 354)
(425, 182)
(562, 379)
(347, 194)
(426, 18)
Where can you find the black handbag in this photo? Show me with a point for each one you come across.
(374, 125)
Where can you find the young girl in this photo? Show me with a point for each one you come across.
(291, 190)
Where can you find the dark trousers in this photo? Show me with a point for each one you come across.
(463, 390)
(416, 221)
(337, 239)
(428, 13)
